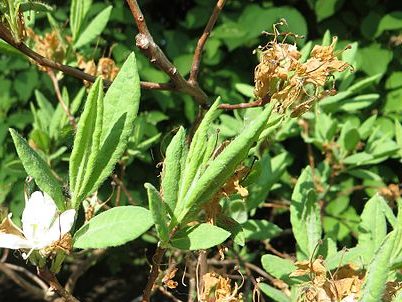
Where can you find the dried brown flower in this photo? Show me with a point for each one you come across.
(291, 84)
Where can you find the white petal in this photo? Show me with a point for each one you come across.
(61, 226)
(15, 242)
(39, 214)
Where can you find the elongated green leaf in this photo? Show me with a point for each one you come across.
(196, 151)
(273, 293)
(279, 268)
(119, 111)
(359, 86)
(158, 212)
(78, 11)
(372, 228)
(305, 215)
(36, 167)
(223, 166)
(172, 168)
(95, 28)
(113, 227)
(379, 268)
(260, 229)
(86, 142)
(199, 237)
(398, 136)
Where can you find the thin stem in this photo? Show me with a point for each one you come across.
(156, 56)
(156, 260)
(257, 103)
(6, 35)
(33, 290)
(195, 68)
(27, 273)
(51, 279)
(60, 98)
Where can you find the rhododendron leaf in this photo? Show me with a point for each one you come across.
(200, 236)
(158, 211)
(113, 227)
(36, 167)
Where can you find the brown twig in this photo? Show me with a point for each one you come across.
(6, 35)
(35, 291)
(156, 260)
(51, 279)
(257, 103)
(156, 56)
(60, 98)
(195, 68)
(28, 274)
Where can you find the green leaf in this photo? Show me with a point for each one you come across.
(159, 213)
(172, 168)
(398, 136)
(391, 21)
(37, 168)
(279, 268)
(358, 159)
(366, 127)
(367, 82)
(305, 215)
(113, 227)
(372, 228)
(245, 89)
(266, 173)
(351, 139)
(78, 11)
(260, 229)
(273, 293)
(119, 111)
(379, 268)
(86, 143)
(358, 102)
(326, 8)
(223, 166)
(232, 226)
(374, 53)
(95, 28)
(199, 237)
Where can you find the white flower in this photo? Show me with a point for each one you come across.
(42, 225)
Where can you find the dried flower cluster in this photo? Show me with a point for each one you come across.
(345, 284)
(50, 45)
(106, 68)
(281, 77)
(219, 289)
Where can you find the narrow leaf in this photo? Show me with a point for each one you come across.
(305, 214)
(113, 227)
(379, 268)
(260, 229)
(279, 268)
(86, 142)
(36, 167)
(120, 106)
(199, 237)
(172, 167)
(372, 228)
(224, 165)
(95, 28)
(158, 212)
(273, 293)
